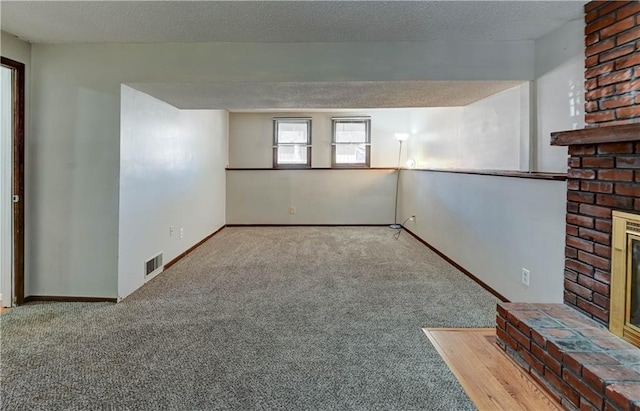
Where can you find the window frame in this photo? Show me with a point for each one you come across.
(276, 144)
(334, 144)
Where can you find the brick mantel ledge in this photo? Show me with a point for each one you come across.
(596, 135)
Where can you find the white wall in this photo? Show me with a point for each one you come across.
(490, 134)
(560, 91)
(18, 50)
(171, 174)
(15, 48)
(494, 132)
(435, 137)
(320, 196)
(493, 227)
(251, 136)
(6, 162)
(73, 157)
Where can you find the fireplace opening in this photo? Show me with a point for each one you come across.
(625, 280)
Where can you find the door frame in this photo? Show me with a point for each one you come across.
(18, 78)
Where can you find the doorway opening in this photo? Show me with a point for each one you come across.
(12, 94)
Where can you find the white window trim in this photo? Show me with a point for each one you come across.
(334, 121)
(276, 144)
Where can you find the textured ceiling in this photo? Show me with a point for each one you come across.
(367, 94)
(294, 21)
(283, 21)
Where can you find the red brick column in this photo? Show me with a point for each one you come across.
(604, 173)
(601, 178)
(612, 64)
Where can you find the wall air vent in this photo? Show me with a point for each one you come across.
(153, 265)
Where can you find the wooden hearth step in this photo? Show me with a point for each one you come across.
(581, 363)
(491, 379)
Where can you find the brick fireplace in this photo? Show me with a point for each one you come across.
(604, 175)
(604, 164)
(567, 347)
(612, 63)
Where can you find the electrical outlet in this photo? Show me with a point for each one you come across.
(525, 277)
(292, 210)
(181, 232)
(171, 230)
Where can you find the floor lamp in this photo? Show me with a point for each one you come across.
(401, 137)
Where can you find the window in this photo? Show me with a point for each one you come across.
(291, 142)
(351, 142)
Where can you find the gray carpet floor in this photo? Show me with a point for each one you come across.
(304, 318)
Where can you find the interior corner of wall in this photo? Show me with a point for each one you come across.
(555, 48)
(528, 127)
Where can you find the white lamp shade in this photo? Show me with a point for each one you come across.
(402, 136)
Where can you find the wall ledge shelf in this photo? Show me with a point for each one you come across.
(309, 168)
(498, 173)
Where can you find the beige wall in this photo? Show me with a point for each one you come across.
(15, 49)
(18, 50)
(171, 175)
(251, 136)
(75, 118)
(495, 226)
(559, 87)
(320, 196)
(489, 134)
